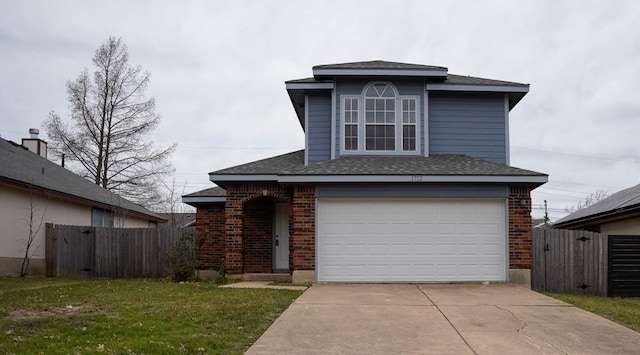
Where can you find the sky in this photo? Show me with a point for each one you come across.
(218, 70)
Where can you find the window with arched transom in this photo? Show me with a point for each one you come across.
(379, 120)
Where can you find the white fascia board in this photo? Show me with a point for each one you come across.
(309, 86)
(487, 88)
(380, 72)
(240, 177)
(203, 199)
(411, 178)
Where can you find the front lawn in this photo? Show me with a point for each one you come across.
(625, 311)
(66, 316)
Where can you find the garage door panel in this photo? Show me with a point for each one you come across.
(411, 240)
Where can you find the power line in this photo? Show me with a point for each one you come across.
(576, 155)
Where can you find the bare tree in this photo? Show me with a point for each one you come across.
(172, 204)
(34, 222)
(591, 199)
(110, 122)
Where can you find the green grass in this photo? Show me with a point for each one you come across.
(66, 316)
(625, 311)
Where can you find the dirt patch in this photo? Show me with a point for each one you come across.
(20, 314)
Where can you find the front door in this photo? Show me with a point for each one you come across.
(281, 238)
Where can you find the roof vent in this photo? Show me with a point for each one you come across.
(34, 132)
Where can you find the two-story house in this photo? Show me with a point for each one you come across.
(404, 177)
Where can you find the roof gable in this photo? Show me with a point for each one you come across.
(20, 167)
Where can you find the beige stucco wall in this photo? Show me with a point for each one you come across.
(14, 230)
(626, 227)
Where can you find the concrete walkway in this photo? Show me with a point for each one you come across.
(439, 319)
(264, 284)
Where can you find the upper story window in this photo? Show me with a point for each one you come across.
(380, 120)
(380, 117)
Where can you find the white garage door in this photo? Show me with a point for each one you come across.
(391, 240)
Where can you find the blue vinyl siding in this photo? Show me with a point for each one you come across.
(412, 190)
(355, 87)
(319, 128)
(470, 124)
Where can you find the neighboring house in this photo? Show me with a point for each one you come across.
(618, 214)
(178, 219)
(404, 177)
(34, 190)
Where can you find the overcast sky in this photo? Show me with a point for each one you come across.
(218, 71)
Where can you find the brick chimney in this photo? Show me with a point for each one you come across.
(35, 144)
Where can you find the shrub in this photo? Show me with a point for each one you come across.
(183, 265)
(221, 276)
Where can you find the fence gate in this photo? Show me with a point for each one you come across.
(624, 265)
(569, 261)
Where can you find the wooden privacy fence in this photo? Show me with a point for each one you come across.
(100, 252)
(569, 261)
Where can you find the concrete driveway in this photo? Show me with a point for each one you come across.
(439, 319)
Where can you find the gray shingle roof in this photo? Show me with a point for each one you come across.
(378, 64)
(215, 191)
(18, 165)
(281, 164)
(470, 80)
(444, 164)
(619, 202)
(439, 165)
(450, 79)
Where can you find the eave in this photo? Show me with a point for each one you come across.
(297, 91)
(422, 73)
(601, 218)
(78, 200)
(515, 93)
(534, 181)
(196, 200)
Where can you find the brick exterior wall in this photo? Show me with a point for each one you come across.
(238, 195)
(258, 235)
(303, 238)
(209, 248)
(520, 230)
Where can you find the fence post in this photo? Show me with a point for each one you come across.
(50, 257)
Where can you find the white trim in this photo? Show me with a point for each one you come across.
(411, 178)
(333, 124)
(487, 88)
(426, 123)
(362, 124)
(506, 129)
(306, 130)
(401, 125)
(309, 86)
(344, 123)
(381, 72)
(506, 233)
(203, 199)
(344, 98)
(382, 178)
(391, 153)
(243, 177)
